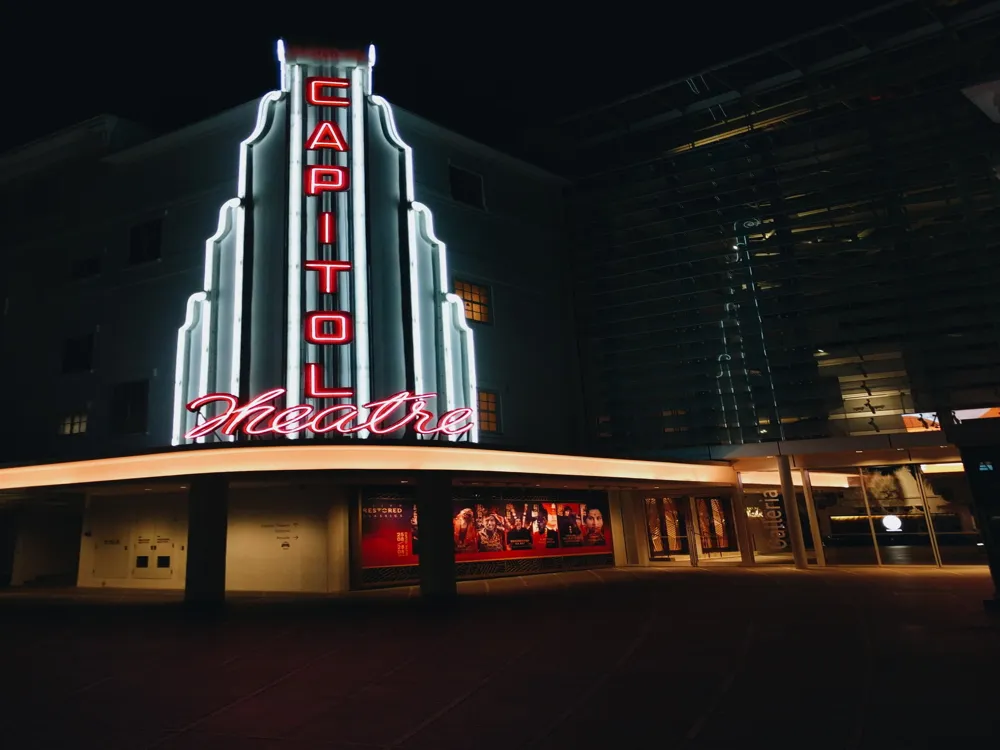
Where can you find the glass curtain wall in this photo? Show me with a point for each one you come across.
(886, 515)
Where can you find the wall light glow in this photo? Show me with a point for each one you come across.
(950, 467)
(353, 457)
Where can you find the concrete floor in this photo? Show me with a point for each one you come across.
(632, 658)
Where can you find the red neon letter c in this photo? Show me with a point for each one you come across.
(316, 96)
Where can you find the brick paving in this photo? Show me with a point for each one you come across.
(630, 658)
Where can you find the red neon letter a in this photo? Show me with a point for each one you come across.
(326, 134)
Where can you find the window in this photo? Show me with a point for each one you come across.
(78, 354)
(85, 268)
(476, 299)
(74, 424)
(466, 186)
(144, 242)
(489, 411)
(129, 407)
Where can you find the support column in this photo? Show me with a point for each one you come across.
(437, 541)
(338, 544)
(798, 544)
(807, 490)
(694, 539)
(639, 528)
(742, 527)
(618, 529)
(982, 466)
(208, 521)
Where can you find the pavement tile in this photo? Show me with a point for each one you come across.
(711, 658)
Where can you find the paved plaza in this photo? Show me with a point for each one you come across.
(764, 657)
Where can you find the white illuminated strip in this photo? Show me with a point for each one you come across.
(950, 467)
(293, 375)
(204, 300)
(411, 239)
(472, 398)
(194, 303)
(356, 457)
(371, 69)
(816, 478)
(446, 343)
(362, 351)
(242, 191)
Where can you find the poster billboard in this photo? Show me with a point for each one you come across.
(537, 526)
(389, 531)
(488, 527)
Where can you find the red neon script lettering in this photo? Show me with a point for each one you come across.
(258, 417)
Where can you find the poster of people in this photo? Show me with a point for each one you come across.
(488, 527)
(389, 533)
(529, 526)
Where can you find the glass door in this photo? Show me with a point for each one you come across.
(716, 529)
(666, 528)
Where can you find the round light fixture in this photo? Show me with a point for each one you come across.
(892, 523)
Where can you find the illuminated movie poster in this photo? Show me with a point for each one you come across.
(528, 527)
(389, 534)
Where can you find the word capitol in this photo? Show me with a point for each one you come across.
(257, 417)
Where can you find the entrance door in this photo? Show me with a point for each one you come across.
(154, 545)
(108, 528)
(666, 528)
(716, 529)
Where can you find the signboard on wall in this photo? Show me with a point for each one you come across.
(326, 306)
(490, 528)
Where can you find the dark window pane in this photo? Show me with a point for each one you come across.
(84, 268)
(129, 407)
(163, 561)
(78, 354)
(144, 242)
(466, 187)
(142, 561)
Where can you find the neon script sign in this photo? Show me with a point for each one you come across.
(327, 328)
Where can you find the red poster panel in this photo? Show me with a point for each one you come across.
(487, 528)
(389, 534)
(498, 528)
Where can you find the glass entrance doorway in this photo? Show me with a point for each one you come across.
(716, 530)
(666, 529)
(673, 524)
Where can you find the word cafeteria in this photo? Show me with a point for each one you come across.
(336, 328)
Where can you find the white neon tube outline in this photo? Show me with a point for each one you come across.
(204, 301)
(203, 297)
(362, 385)
(472, 389)
(371, 69)
(427, 228)
(193, 308)
(389, 122)
(242, 190)
(293, 349)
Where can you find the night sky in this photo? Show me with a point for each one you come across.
(482, 72)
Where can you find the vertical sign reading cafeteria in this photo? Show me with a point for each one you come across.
(343, 253)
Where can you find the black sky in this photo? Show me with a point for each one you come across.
(482, 69)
